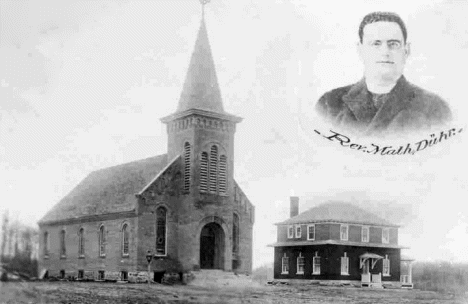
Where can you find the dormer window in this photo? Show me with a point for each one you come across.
(298, 231)
(385, 235)
(311, 232)
(344, 232)
(290, 231)
(365, 234)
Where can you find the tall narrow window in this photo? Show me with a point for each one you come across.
(63, 250)
(46, 244)
(290, 231)
(365, 234)
(161, 231)
(385, 235)
(125, 237)
(386, 266)
(344, 232)
(316, 264)
(311, 232)
(344, 265)
(298, 231)
(187, 157)
(300, 264)
(285, 264)
(235, 234)
(222, 174)
(213, 168)
(81, 250)
(204, 172)
(102, 241)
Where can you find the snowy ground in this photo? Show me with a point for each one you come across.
(93, 292)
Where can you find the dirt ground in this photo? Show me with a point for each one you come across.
(92, 292)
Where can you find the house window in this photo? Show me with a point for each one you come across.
(81, 248)
(80, 274)
(344, 265)
(298, 231)
(235, 234)
(386, 266)
(161, 231)
(46, 244)
(102, 241)
(62, 274)
(213, 170)
(365, 234)
(125, 240)
(385, 235)
(311, 232)
(344, 232)
(204, 172)
(290, 231)
(187, 153)
(222, 174)
(300, 264)
(316, 264)
(63, 249)
(285, 264)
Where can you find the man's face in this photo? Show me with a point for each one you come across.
(383, 51)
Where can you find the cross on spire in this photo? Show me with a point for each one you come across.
(203, 3)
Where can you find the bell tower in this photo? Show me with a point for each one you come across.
(200, 130)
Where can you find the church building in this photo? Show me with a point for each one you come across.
(183, 207)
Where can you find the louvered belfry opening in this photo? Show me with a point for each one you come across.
(187, 166)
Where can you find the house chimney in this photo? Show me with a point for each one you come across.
(294, 206)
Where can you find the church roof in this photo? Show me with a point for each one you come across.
(108, 190)
(201, 90)
(340, 212)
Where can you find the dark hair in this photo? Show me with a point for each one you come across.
(382, 16)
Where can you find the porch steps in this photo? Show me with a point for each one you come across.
(221, 278)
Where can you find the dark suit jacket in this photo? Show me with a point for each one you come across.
(408, 108)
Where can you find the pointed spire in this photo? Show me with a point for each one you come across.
(201, 90)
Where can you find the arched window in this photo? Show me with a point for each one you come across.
(81, 250)
(235, 234)
(187, 151)
(213, 168)
(125, 237)
(222, 174)
(204, 172)
(102, 241)
(161, 231)
(46, 243)
(63, 250)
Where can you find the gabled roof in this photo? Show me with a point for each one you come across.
(201, 90)
(340, 212)
(108, 190)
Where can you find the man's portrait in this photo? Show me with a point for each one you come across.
(383, 101)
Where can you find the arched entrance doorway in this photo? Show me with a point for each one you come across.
(212, 247)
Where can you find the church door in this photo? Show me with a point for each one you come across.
(212, 247)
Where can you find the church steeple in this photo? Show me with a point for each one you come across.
(201, 90)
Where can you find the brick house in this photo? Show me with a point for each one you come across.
(337, 241)
(184, 206)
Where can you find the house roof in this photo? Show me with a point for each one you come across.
(108, 190)
(334, 211)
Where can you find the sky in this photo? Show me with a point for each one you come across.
(83, 85)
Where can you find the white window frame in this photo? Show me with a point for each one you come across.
(314, 264)
(308, 232)
(290, 231)
(345, 262)
(347, 232)
(385, 231)
(362, 234)
(300, 258)
(298, 231)
(386, 270)
(285, 266)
